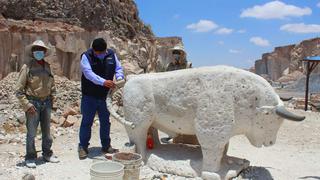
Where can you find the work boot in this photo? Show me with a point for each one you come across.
(31, 163)
(52, 159)
(109, 150)
(83, 153)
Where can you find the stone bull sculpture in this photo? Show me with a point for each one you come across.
(213, 103)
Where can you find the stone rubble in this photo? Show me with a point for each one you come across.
(12, 121)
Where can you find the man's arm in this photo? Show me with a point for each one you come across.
(119, 69)
(20, 89)
(88, 73)
(53, 90)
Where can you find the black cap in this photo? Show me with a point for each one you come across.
(99, 44)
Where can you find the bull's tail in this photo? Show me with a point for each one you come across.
(114, 114)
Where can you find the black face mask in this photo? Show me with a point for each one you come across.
(176, 57)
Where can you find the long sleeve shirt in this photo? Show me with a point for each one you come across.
(93, 77)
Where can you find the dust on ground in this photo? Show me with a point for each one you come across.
(295, 155)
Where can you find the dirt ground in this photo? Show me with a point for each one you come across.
(296, 155)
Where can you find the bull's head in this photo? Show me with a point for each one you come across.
(269, 118)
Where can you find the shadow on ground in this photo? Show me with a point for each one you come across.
(256, 173)
(95, 153)
(39, 161)
(186, 160)
(310, 177)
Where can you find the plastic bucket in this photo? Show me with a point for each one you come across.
(132, 163)
(107, 170)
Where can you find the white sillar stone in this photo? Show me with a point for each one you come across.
(213, 103)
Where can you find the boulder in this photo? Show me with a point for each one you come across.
(69, 111)
(69, 121)
(21, 118)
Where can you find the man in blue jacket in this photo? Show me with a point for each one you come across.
(98, 65)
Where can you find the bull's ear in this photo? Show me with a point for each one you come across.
(266, 109)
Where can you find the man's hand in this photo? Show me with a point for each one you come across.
(109, 84)
(32, 110)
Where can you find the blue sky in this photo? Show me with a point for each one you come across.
(232, 32)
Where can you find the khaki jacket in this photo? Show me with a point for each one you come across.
(172, 66)
(35, 81)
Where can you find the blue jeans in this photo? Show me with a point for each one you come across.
(89, 107)
(42, 116)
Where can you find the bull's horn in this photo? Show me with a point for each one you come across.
(283, 112)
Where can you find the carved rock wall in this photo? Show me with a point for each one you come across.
(287, 59)
(68, 42)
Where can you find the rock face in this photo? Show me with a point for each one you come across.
(118, 16)
(69, 29)
(287, 59)
(275, 63)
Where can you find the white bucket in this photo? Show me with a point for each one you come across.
(132, 163)
(106, 170)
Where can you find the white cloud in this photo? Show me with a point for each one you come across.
(259, 41)
(301, 28)
(241, 31)
(224, 31)
(275, 10)
(203, 26)
(234, 51)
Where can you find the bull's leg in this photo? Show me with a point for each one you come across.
(214, 125)
(212, 152)
(139, 137)
(139, 108)
(212, 157)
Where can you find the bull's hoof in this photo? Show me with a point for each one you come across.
(210, 176)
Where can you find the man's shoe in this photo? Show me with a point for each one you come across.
(52, 159)
(31, 163)
(83, 153)
(166, 140)
(109, 150)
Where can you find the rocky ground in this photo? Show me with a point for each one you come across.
(294, 156)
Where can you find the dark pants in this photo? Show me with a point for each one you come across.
(42, 116)
(89, 107)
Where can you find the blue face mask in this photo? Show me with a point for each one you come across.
(101, 56)
(38, 55)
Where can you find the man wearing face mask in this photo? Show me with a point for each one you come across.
(35, 91)
(98, 65)
(179, 59)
